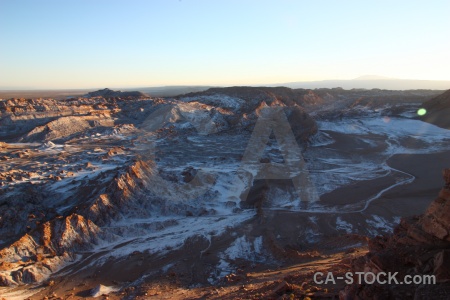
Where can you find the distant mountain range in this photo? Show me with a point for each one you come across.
(362, 82)
(372, 82)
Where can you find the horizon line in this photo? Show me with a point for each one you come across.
(357, 79)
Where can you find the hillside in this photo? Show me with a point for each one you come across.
(438, 110)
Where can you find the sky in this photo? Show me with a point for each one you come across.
(95, 43)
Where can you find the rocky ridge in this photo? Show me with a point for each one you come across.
(54, 243)
(43, 251)
(322, 101)
(107, 93)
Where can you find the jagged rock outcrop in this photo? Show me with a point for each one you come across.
(120, 194)
(43, 251)
(50, 245)
(419, 246)
(140, 192)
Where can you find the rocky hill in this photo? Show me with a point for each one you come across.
(107, 93)
(245, 102)
(307, 96)
(438, 110)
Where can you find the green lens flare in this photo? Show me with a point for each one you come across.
(422, 112)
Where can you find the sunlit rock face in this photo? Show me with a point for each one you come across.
(52, 245)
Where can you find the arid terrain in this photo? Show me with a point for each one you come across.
(228, 193)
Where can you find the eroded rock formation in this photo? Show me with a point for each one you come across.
(36, 255)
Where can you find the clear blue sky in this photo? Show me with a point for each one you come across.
(86, 44)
